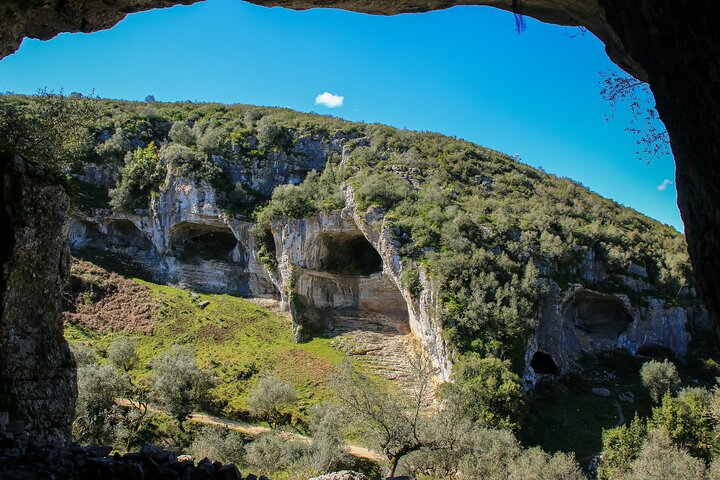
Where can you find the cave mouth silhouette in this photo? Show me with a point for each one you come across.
(194, 243)
(543, 364)
(349, 254)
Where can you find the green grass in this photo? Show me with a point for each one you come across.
(233, 337)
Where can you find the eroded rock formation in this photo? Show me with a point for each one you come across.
(37, 371)
(672, 45)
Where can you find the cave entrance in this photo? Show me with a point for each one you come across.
(543, 364)
(343, 285)
(347, 254)
(599, 316)
(193, 243)
(124, 233)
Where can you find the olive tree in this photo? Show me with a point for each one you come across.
(659, 378)
(271, 400)
(178, 384)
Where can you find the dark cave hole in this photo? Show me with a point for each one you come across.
(193, 242)
(124, 233)
(602, 316)
(349, 255)
(543, 364)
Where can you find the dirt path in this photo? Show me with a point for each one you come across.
(255, 430)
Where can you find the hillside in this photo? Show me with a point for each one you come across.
(378, 243)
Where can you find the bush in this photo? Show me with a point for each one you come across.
(659, 459)
(182, 134)
(116, 146)
(659, 378)
(142, 175)
(178, 384)
(271, 452)
(621, 446)
(122, 354)
(95, 408)
(270, 134)
(486, 391)
(225, 446)
(271, 400)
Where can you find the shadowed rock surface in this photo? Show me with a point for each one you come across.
(37, 370)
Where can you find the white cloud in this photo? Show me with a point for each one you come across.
(665, 183)
(329, 100)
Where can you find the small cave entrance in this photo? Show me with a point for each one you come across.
(347, 254)
(192, 243)
(124, 233)
(598, 315)
(543, 364)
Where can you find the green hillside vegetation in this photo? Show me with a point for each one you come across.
(233, 338)
(485, 226)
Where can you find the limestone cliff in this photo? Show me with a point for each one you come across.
(37, 371)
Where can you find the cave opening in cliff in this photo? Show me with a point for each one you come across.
(348, 254)
(598, 315)
(124, 233)
(543, 364)
(194, 242)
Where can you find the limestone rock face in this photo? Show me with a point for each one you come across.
(578, 320)
(37, 370)
(672, 45)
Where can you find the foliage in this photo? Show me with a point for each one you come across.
(98, 386)
(688, 421)
(123, 355)
(178, 384)
(486, 391)
(660, 378)
(223, 446)
(188, 161)
(395, 423)
(660, 459)
(621, 446)
(270, 134)
(271, 451)
(271, 400)
(182, 134)
(143, 174)
(51, 129)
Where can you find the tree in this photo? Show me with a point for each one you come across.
(270, 134)
(659, 459)
(178, 384)
(645, 123)
(98, 386)
(150, 98)
(122, 354)
(396, 423)
(271, 400)
(180, 132)
(220, 445)
(142, 175)
(486, 391)
(621, 446)
(659, 378)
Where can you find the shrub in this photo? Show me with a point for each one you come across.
(182, 134)
(621, 446)
(659, 459)
(142, 175)
(187, 162)
(270, 134)
(225, 446)
(116, 146)
(659, 378)
(486, 391)
(178, 384)
(271, 400)
(271, 452)
(98, 386)
(122, 354)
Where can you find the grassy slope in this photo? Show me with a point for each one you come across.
(238, 340)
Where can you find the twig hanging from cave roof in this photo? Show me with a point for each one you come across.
(519, 19)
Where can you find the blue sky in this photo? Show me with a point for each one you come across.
(462, 72)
